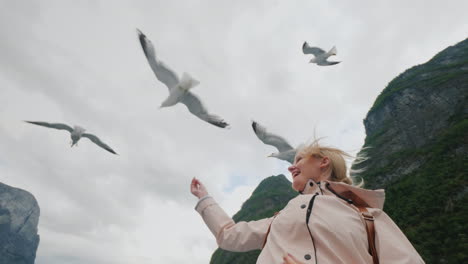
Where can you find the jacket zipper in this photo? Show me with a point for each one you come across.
(309, 212)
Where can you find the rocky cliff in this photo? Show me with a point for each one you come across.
(271, 195)
(19, 216)
(416, 144)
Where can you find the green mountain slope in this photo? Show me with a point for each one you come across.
(417, 134)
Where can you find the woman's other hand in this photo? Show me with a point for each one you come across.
(197, 188)
(290, 259)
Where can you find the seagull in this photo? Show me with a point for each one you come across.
(76, 134)
(179, 89)
(286, 152)
(320, 55)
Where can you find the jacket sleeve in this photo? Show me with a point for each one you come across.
(392, 245)
(237, 237)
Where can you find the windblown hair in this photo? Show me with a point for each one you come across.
(337, 170)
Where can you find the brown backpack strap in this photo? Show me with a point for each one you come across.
(369, 220)
(268, 231)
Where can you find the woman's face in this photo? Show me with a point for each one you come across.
(305, 168)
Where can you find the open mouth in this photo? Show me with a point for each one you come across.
(295, 174)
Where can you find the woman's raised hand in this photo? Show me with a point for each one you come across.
(290, 259)
(197, 188)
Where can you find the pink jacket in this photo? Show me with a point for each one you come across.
(335, 232)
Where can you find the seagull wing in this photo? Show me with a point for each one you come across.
(195, 106)
(328, 63)
(160, 69)
(291, 156)
(52, 125)
(98, 142)
(311, 50)
(270, 139)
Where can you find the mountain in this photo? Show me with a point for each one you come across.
(19, 216)
(270, 196)
(416, 144)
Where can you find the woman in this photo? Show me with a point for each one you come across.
(322, 225)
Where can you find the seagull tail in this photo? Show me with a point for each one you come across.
(188, 81)
(333, 51)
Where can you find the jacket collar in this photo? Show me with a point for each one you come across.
(311, 187)
(358, 196)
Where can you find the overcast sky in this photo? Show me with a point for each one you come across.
(80, 62)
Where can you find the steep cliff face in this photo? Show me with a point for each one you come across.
(271, 195)
(19, 216)
(416, 144)
(415, 109)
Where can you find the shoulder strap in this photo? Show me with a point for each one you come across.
(369, 220)
(268, 231)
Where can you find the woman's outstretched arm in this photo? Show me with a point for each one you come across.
(238, 237)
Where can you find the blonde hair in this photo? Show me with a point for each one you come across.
(337, 169)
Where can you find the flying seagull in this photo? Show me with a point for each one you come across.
(179, 89)
(76, 134)
(320, 55)
(285, 151)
